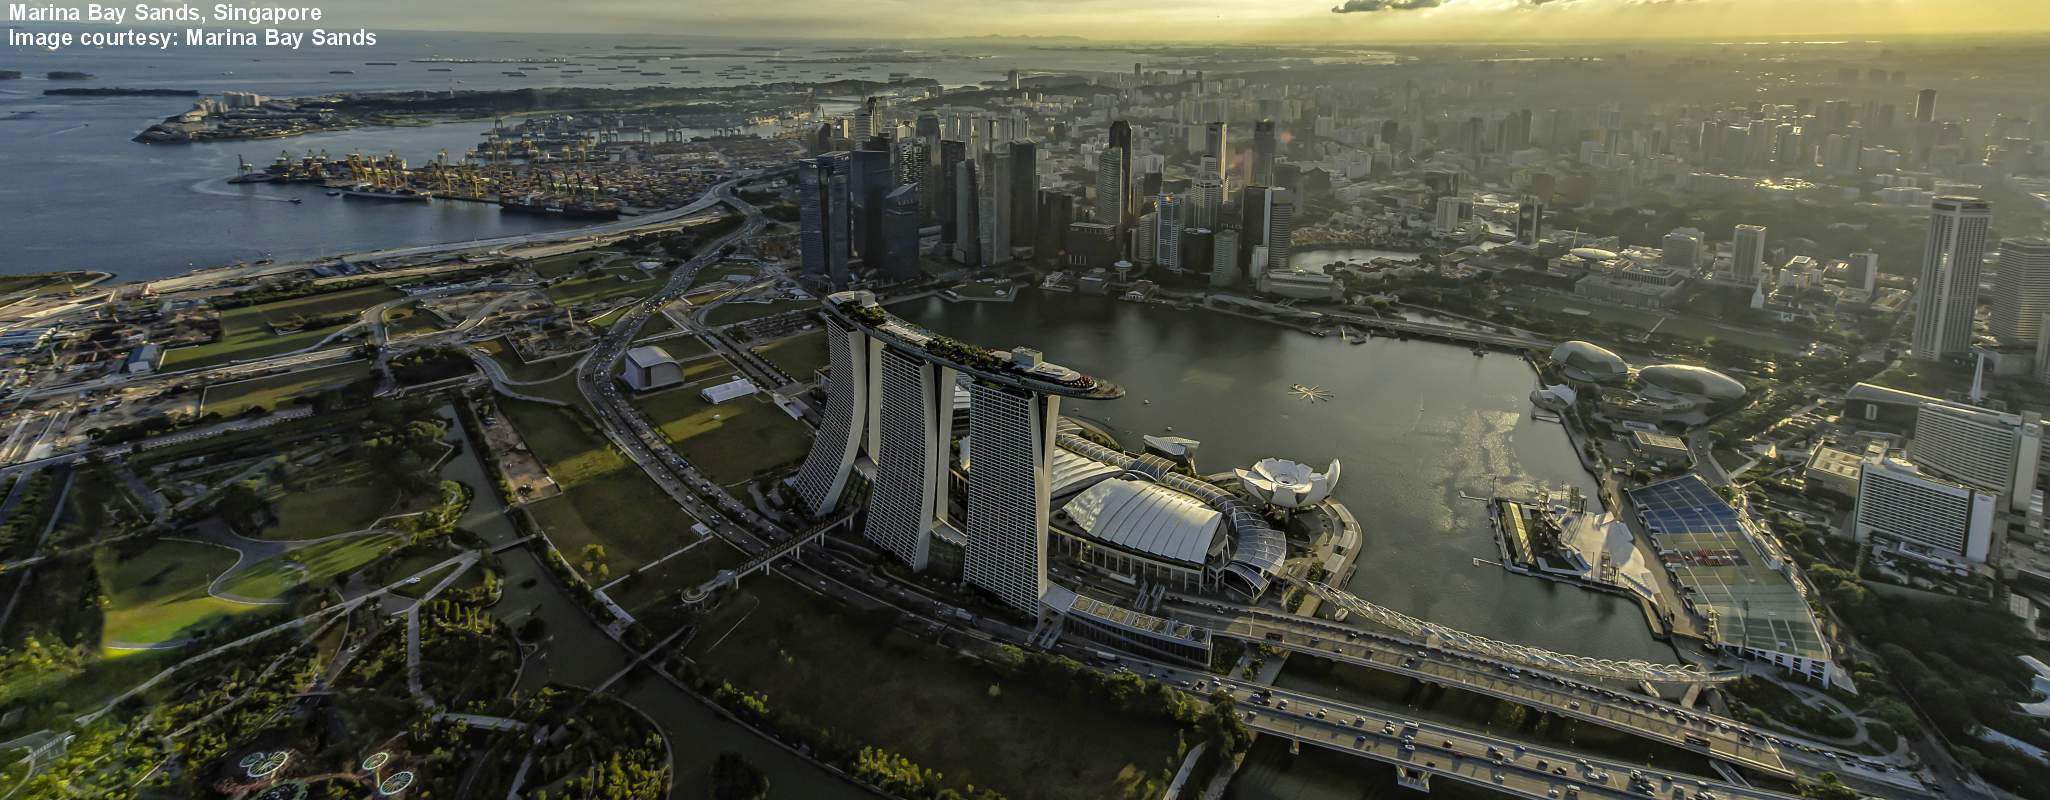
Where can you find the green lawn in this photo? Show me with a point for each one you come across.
(157, 593)
(1669, 323)
(731, 442)
(14, 287)
(272, 579)
(246, 332)
(606, 500)
(681, 348)
(663, 581)
(338, 495)
(409, 320)
(603, 285)
(799, 355)
(723, 270)
(520, 370)
(557, 266)
(922, 701)
(733, 312)
(273, 391)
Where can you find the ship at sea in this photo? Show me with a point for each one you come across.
(367, 191)
(550, 205)
(379, 178)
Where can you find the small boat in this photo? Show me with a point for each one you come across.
(334, 192)
(298, 200)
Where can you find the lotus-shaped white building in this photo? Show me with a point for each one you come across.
(1286, 484)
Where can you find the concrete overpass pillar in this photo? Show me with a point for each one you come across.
(1413, 778)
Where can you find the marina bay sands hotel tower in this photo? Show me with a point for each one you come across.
(889, 418)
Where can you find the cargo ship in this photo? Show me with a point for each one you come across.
(557, 207)
(368, 192)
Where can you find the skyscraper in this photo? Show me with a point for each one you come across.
(2021, 291)
(1024, 189)
(967, 212)
(823, 219)
(870, 178)
(892, 397)
(1682, 248)
(1206, 195)
(1949, 287)
(1278, 224)
(994, 212)
(899, 260)
(1925, 106)
(1747, 253)
(1216, 146)
(1265, 148)
(1128, 208)
(1224, 260)
(1111, 186)
(952, 153)
(1167, 232)
(1530, 220)
(1864, 272)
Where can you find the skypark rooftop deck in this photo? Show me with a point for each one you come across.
(1018, 368)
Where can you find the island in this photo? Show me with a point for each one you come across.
(120, 91)
(10, 74)
(68, 75)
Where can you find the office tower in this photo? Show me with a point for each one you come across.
(1111, 186)
(967, 213)
(994, 213)
(2021, 291)
(1206, 195)
(1949, 287)
(1747, 253)
(1900, 504)
(1011, 79)
(823, 220)
(1682, 249)
(1278, 222)
(1024, 188)
(952, 153)
(1452, 213)
(1195, 251)
(899, 260)
(927, 132)
(1252, 225)
(1121, 141)
(1093, 245)
(1218, 148)
(1145, 239)
(893, 399)
(1530, 220)
(866, 120)
(1925, 106)
(870, 178)
(1167, 232)
(1224, 259)
(1265, 149)
(1864, 271)
(1056, 212)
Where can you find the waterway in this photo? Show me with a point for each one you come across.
(1417, 426)
(578, 653)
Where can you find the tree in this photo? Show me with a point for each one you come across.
(733, 778)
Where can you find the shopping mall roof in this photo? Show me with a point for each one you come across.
(1146, 518)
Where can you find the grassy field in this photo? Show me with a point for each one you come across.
(602, 285)
(520, 370)
(1666, 323)
(409, 320)
(272, 579)
(721, 271)
(336, 496)
(606, 500)
(681, 348)
(158, 593)
(246, 333)
(741, 312)
(661, 582)
(14, 287)
(731, 442)
(273, 391)
(921, 701)
(799, 355)
(557, 266)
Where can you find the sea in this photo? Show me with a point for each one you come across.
(77, 194)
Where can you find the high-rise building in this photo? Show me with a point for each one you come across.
(1196, 251)
(2021, 292)
(1144, 237)
(1266, 148)
(1278, 224)
(968, 226)
(891, 397)
(1024, 188)
(1217, 147)
(1093, 245)
(1252, 226)
(1864, 271)
(1682, 249)
(899, 260)
(1167, 232)
(824, 223)
(993, 214)
(870, 178)
(1949, 287)
(1224, 259)
(1206, 195)
(1925, 106)
(1747, 253)
(1922, 513)
(1056, 211)
(1452, 213)
(1995, 452)
(1121, 141)
(1111, 185)
(1530, 220)
(952, 153)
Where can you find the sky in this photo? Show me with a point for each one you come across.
(1223, 20)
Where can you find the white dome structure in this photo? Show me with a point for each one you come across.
(1287, 484)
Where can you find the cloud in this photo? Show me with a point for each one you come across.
(1362, 6)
